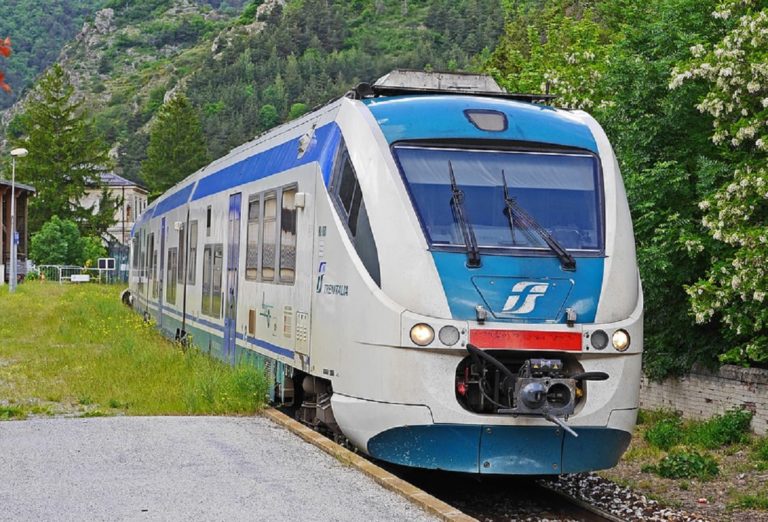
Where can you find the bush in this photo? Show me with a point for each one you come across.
(730, 428)
(760, 452)
(685, 464)
(665, 434)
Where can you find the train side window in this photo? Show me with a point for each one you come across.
(288, 236)
(153, 271)
(192, 261)
(268, 235)
(180, 263)
(252, 248)
(218, 270)
(351, 207)
(208, 221)
(205, 306)
(170, 287)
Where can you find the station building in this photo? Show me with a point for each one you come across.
(23, 193)
(133, 196)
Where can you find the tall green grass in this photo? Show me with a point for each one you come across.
(77, 349)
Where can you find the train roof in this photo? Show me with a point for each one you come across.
(436, 117)
(408, 105)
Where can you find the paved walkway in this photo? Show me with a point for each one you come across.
(180, 468)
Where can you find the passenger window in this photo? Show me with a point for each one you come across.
(213, 257)
(205, 306)
(351, 207)
(192, 261)
(170, 287)
(218, 269)
(180, 267)
(208, 221)
(268, 237)
(288, 236)
(252, 248)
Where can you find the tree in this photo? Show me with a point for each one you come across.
(736, 284)
(5, 50)
(176, 146)
(65, 157)
(57, 243)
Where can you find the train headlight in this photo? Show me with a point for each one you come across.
(620, 340)
(599, 339)
(422, 334)
(449, 335)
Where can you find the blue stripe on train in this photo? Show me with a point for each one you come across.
(443, 117)
(273, 161)
(507, 281)
(267, 163)
(279, 350)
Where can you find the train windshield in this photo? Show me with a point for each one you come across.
(559, 191)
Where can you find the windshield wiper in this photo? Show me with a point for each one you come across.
(516, 213)
(457, 203)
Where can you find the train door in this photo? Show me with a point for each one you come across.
(233, 262)
(160, 274)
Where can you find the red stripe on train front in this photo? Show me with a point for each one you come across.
(525, 340)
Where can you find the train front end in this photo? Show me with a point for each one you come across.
(505, 247)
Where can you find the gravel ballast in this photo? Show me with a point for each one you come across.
(174, 468)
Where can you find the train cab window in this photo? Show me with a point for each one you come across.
(170, 288)
(252, 248)
(268, 235)
(208, 221)
(192, 261)
(288, 236)
(213, 257)
(351, 206)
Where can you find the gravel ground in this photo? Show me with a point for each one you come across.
(180, 468)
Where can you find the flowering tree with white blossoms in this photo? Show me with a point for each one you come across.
(736, 70)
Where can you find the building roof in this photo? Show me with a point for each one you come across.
(111, 179)
(21, 186)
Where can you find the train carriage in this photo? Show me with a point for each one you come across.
(440, 271)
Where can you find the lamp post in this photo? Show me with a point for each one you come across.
(20, 153)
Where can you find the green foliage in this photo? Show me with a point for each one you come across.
(299, 61)
(93, 249)
(57, 243)
(12, 412)
(39, 30)
(665, 434)
(616, 58)
(176, 146)
(734, 288)
(65, 157)
(685, 464)
(249, 13)
(750, 501)
(730, 428)
(296, 110)
(760, 453)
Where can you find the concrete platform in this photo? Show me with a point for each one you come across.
(180, 468)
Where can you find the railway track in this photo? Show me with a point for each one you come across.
(503, 499)
(463, 497)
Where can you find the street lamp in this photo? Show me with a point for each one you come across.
(20, 153)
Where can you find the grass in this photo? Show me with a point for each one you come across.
(76, 349)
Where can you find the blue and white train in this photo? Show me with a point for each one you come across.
(442, 272)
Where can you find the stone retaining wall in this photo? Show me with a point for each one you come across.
(702, 394)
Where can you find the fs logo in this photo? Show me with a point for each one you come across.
(320, 275)
(523, 297)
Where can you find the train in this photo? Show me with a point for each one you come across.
(440, 271)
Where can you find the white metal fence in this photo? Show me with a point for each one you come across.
(75, 274)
